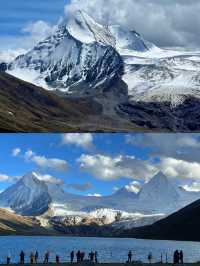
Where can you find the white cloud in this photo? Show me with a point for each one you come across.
(180, 169)
(94, 195)
(16, 152)
(84, 140)
(38, 30)
(42, 161)
(107, 168)
(178, 19)
(9, 55)
(4, 177)
(54, 163)
(134, 186)
(179, 146)
(28, 154)
(49, 179)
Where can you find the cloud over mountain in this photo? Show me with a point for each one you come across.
(178, 20)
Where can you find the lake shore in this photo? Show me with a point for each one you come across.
(102, 264)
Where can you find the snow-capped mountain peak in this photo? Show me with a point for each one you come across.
(158, 185)
(30, 179)
(85, 29)
(159, 191)
(76, 58)
(28, 195)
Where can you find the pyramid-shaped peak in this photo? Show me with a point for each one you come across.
(85, 29)
(30, 178)
(159, 177)
(158, 188)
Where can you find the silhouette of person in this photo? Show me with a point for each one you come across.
(22, 256)
(91, 256)
(161, 258)
(72, 256)
(36, 256)
(96, 256)
(181, 257)
(57, 259)
(82, 255)
(176, 257)
(130, 256)
(32, 258)
(78, 256)
(150, 257)
(8, 259)
(46, 257)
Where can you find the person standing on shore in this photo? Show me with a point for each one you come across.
(57, 259)
(150, 257)
(32, 257)
(78, 256)
(176, 257)
(181, 257)
(129, 256)
(46, 257)
(8, 259)
(96, 256)
(72, 256)
(36, 256)
(82, 255)
(22, 256)
(91, 256)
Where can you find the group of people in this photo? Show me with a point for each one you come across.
(178, 257)
(130, 256)
(33, 258)
(80, 256)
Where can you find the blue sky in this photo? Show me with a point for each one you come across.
(50, 146)
(100, 163)
(14, 15)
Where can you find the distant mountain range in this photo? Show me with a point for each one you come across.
(160, 210)
(135, 83)
(157, 198)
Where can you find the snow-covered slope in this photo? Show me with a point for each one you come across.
(162, 77)
(77, 58)
(84, 57)
(29, 196)
(157, 198)
(158, 195)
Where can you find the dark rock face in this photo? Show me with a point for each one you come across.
(182, 225)
(65, 62)
(161, 116)
(3, 67)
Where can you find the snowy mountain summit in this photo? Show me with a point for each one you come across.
(159, 192)
(84, 58)
(27, 196)
(79, 56)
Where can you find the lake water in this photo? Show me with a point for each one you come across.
(109, 249)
